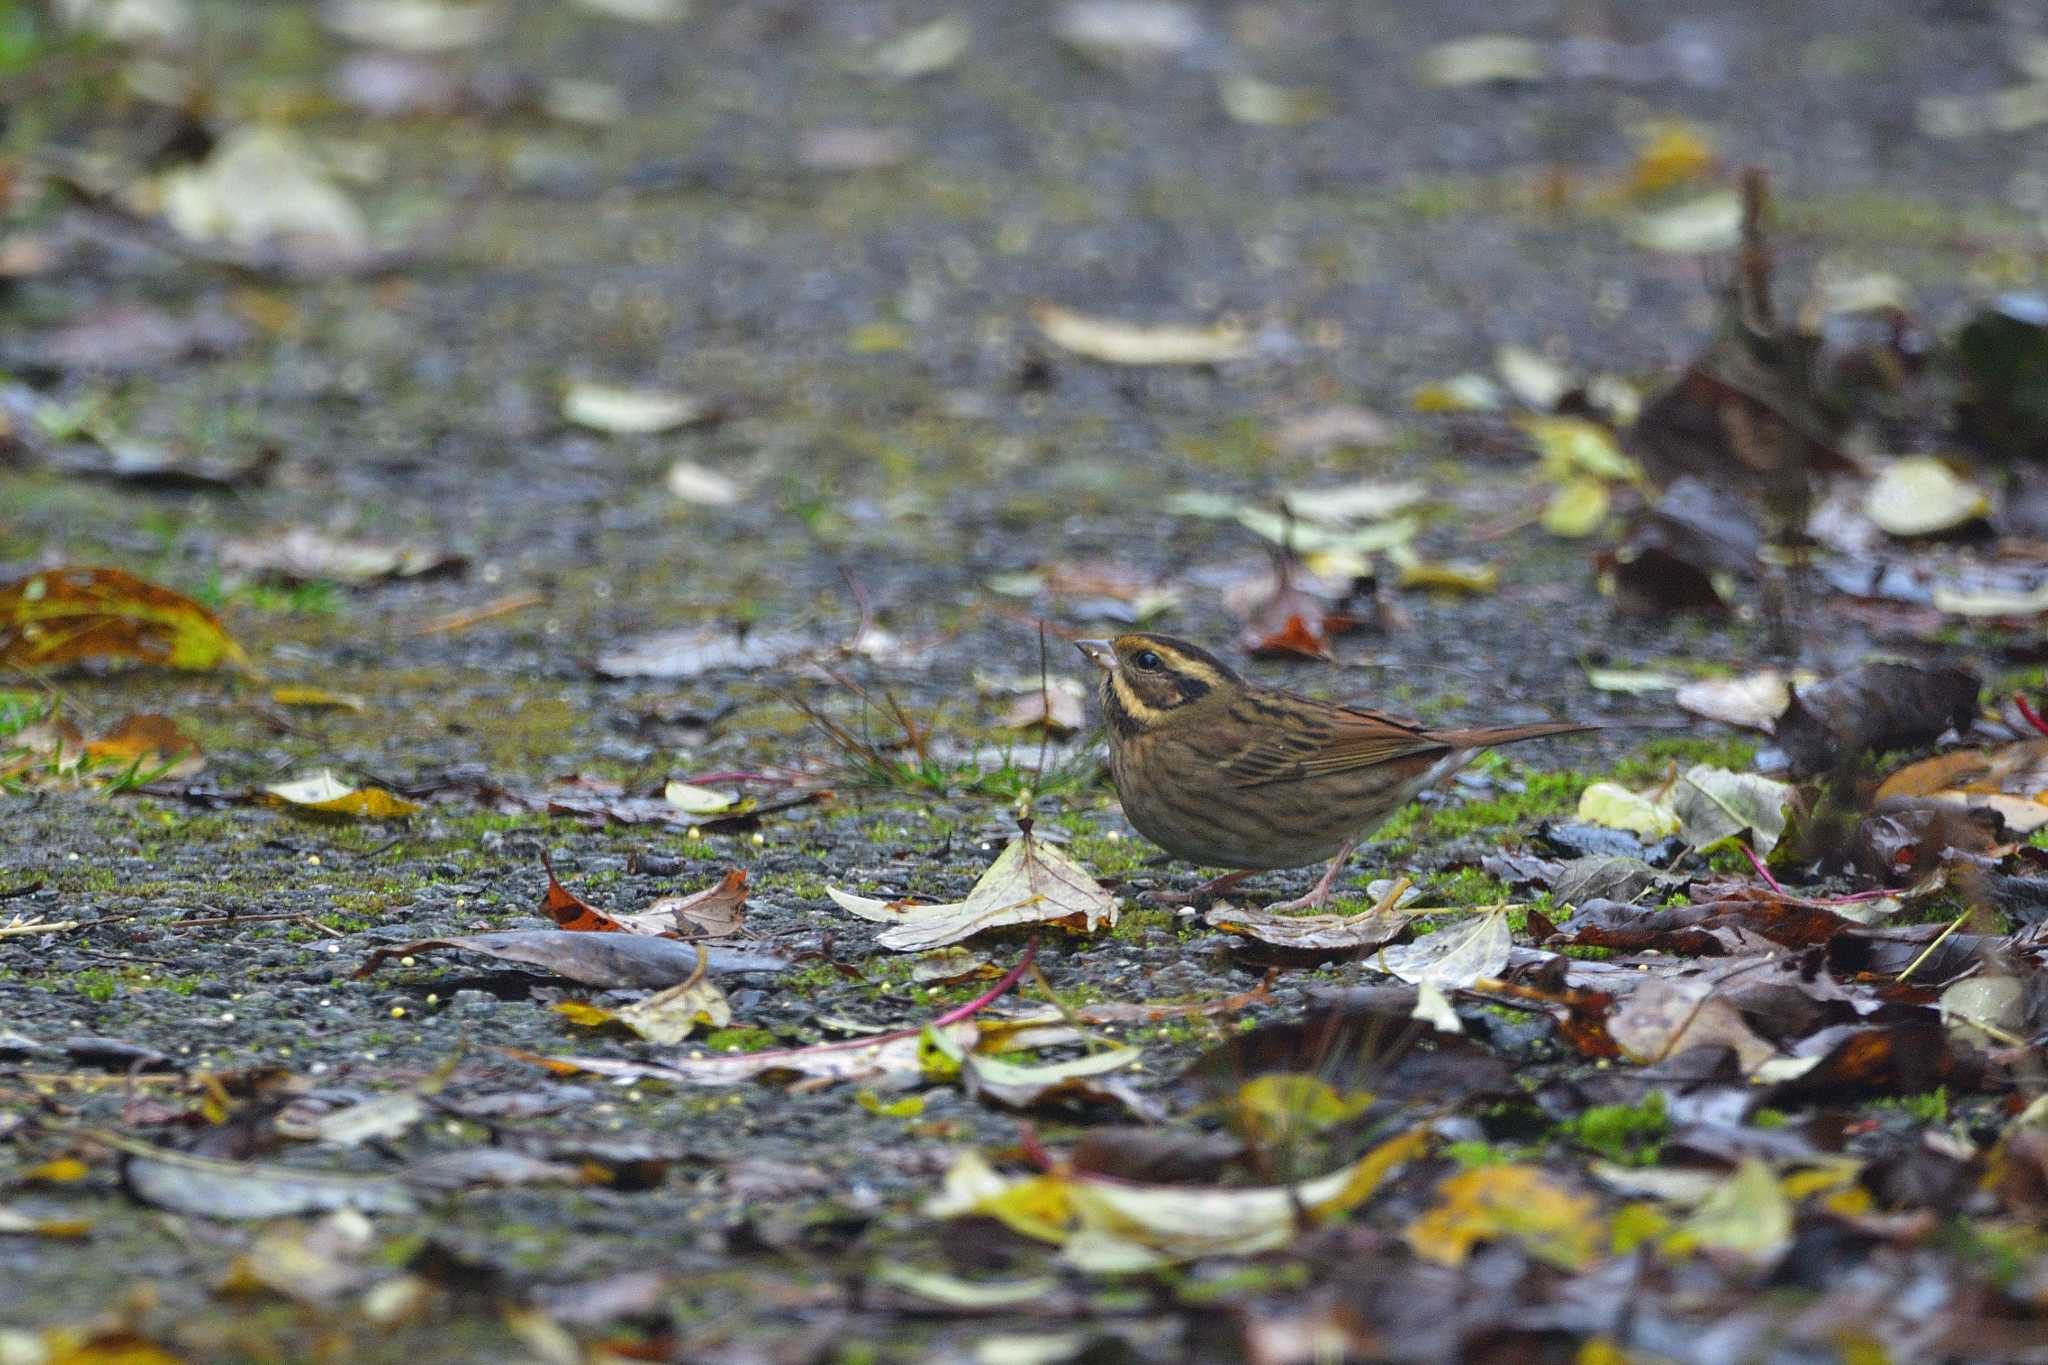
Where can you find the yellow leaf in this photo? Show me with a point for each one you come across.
(1673, 153)
(1616, 807)
(317, 696)
(1574, 446)
(324, 794)
(71, 615)
(65, 1170)
(1271, 1108)
(909, 1107)
(1577, 508)
(1510, 1203)
(580, 1012)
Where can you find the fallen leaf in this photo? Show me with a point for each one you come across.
(371, 1120)
(1342, 935)
(414, 25)
(621, 411)
(301, 554)
(325, 795)
(1754, 701)
(1454, 956)
(694, 800)
(847, 148)
(923, 50)
(1327, 430)
(1577, 508)
(1060, 708)
(1533, 377)
(603, 960)
(1923, 496)
(1351, 503)
(1633, 682)
(718, 911)
(1131, 34)
(1710, 223)
(2011, 779)
(1113, 1225)
(571, 912)
(1714, 804)
(202, 1187)
(75, 615)
(318, 697)
(1748, 1215)
(1487, 59)
(1664, 1016)
(149, 742)
(675, 655)
(1517, 1203)
(1262, 104)
(693, 483)
(1125, 343)
(263, 188)
(1613, 806)
(1670, 153)
(672, 1015)
(1030, 882)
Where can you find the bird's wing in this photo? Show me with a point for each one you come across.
(1299, 738)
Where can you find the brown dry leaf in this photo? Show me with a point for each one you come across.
(2011, 779)
(325, 795)
(1664, 1016)
(72, 615)
(1031, 882)
(718, 911)
(570, 911)
(1329, 934)
(1128, 343)
(1510, 1203)
(672, 1015)
(150, 741)
(1059, 709)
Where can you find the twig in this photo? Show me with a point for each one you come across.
(1939, 939)
(489, 611)
(37, 926)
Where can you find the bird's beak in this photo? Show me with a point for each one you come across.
(1098, 652)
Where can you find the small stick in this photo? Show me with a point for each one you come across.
(36, 926)
(489, 611)
(1928, 951)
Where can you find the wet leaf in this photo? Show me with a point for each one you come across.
(371, 1120)
(77, 615)
(327, 796)
(1126, 343)
(1510, 1203)
(1454, 956)
(1714, 804)
(1923, 496)
(1577, 508)
(622, 411)
(1030, 882)
(1664, 1016)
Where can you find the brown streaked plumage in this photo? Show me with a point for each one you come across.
(1230, 773)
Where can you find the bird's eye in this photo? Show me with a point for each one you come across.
(1145, 659)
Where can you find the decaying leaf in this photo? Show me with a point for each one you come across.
(205, 1188)
(301, 554)
(718, 911)
(1030, 882)
(672, 1015)
(1748, 1215)
(1712, 222)
(1126, 343)
(263, 188)
(78, 615)
(1664, 1016)
(323, 795)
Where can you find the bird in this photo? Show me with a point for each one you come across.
(1226, 772)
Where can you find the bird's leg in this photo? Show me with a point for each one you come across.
(1203, 894)
(1319, 894)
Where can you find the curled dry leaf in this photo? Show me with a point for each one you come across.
(2011, 779)
(325, 796)
(718, 911)
(1031, 882)
(1328, 935)
(1127, 343)
(1665, 1016)
(80, 615)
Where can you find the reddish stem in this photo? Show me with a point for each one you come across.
(1034, 1150)
(2033, 717)
(1762, 871)
(995, 992)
